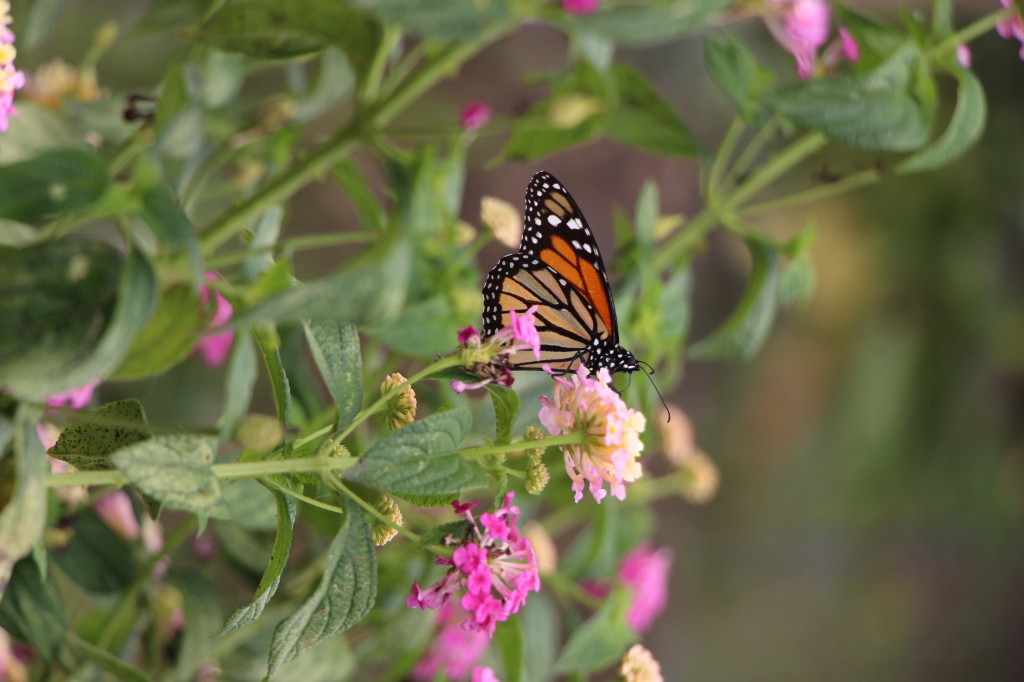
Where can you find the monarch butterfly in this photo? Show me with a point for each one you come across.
(559, 269)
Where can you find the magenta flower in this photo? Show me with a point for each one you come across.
(215, 346)
(963, 55)
(644, 571)
(611, 430)
(802, 30)
(76, 398)
(580, 6)
(116, 510)
(494, 564)
(851, 50)
(482, 674)
(474, 115)
(490, 360)
(10, 78)
(455, 649)
(1012, 27)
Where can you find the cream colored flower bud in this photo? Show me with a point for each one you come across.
(382, 532)
(572, 109)
(260, 432)
(638, 665)
(537, 474)
(677, 441)
(401, 408)
(701, 477)
(503, 219)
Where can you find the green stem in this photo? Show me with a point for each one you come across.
(335, 482)
(375, 74)
(313, 241)
(818, 193)
(725, 150)
(776, 166)
(970, 32)
(573, 438)
(754, 148)
(284, 490)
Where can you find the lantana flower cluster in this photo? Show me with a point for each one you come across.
(490, 359)
(493, 563)
(611, 447)
(10, 78)
(801, 27)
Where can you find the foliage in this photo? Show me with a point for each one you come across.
(115, 204)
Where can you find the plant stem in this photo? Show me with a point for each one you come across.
(818, 193)
(313, 241)
(970, 32)
(335, 482)
(725, 150)
(573, 438)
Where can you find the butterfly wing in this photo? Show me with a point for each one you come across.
(559, 269)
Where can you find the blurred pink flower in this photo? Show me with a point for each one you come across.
(963, 55)
(644, 571)
(482, 674)
(490, 359)
(495, 565)
(115, 508)
(1012, 27)
(10, 78)
(580, 6)
(474, 115)
(76, 398)
(455, 649)
(610, 451)
(851, 50)
(215, 346)
(803, 29)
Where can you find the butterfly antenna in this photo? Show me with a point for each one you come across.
(649, 371)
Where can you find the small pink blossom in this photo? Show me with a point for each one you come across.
(468, 333)
(644, 571)
(76, 398)
(851, 50)
(474, 115)
(491, 359)
(11, 79)
(580, 6)
(802, 30)
(963, 55)
(455, 649)
(1012, 27)
(482, 674)
(494, 564)
(116, 510)
(215, 346)
(611, 446)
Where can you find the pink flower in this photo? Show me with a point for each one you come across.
(455, 649)
(482, 674)
(802, 31)
(611, 445)
(215, 346)
(474, 115)
(11, 666)
(117, 512)
(76, 398)
(490, 360)
(10, 78)
(495, 565)
(851, 50)
(1012, 27)
(963, 55)
(644, 571)
(580, 6)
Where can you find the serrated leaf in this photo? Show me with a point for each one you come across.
(736, 71)
(23, 519)
(168, 338)
(601, 640)
(238, 384)
(345, 594)
(269, 343)
(421, 459)
(65, 322)
(89, 440)
(506, 409)
(244, 615)
(176, 469)
(335, 349)
(742, 334)
(52, 184)
(107, 661)
(964, 129)
(31, 610)
(873, 112)
(432, 320)
(643, 119)
(509, 638)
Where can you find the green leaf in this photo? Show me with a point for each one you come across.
(432, 320)
(23, 519)
(353, 181)
(96, 557)
(282, 30)
(168, 338)
(506, 409)
(643, 119)
(964, 129)
(539, 622)
(639, 25)
(32, 609)
(335, 349)
(107, 661)
(270, 346)
(874, 112)
(742, 334)
(736, 71)
(238, 384)
(440, 19)
(601, 640)
(52, 184)
(265, 232)
(89, 440)
(365, 294)
(345, 594)
(203, 617)
(172, 227)
(421, 459)
(61, 325)
(249, 613)
(334, 81)
(509, 638)
(175, 469)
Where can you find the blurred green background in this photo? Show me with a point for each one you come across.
(869, 520)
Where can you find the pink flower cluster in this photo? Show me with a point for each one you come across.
(1012, 27)
(10, 78)
(490, 360)
(611, 445)
(801, 27)
(215, 346)
(644, 571)
(493, 563)
(455, 649)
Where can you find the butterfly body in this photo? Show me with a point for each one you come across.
(559, 269)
